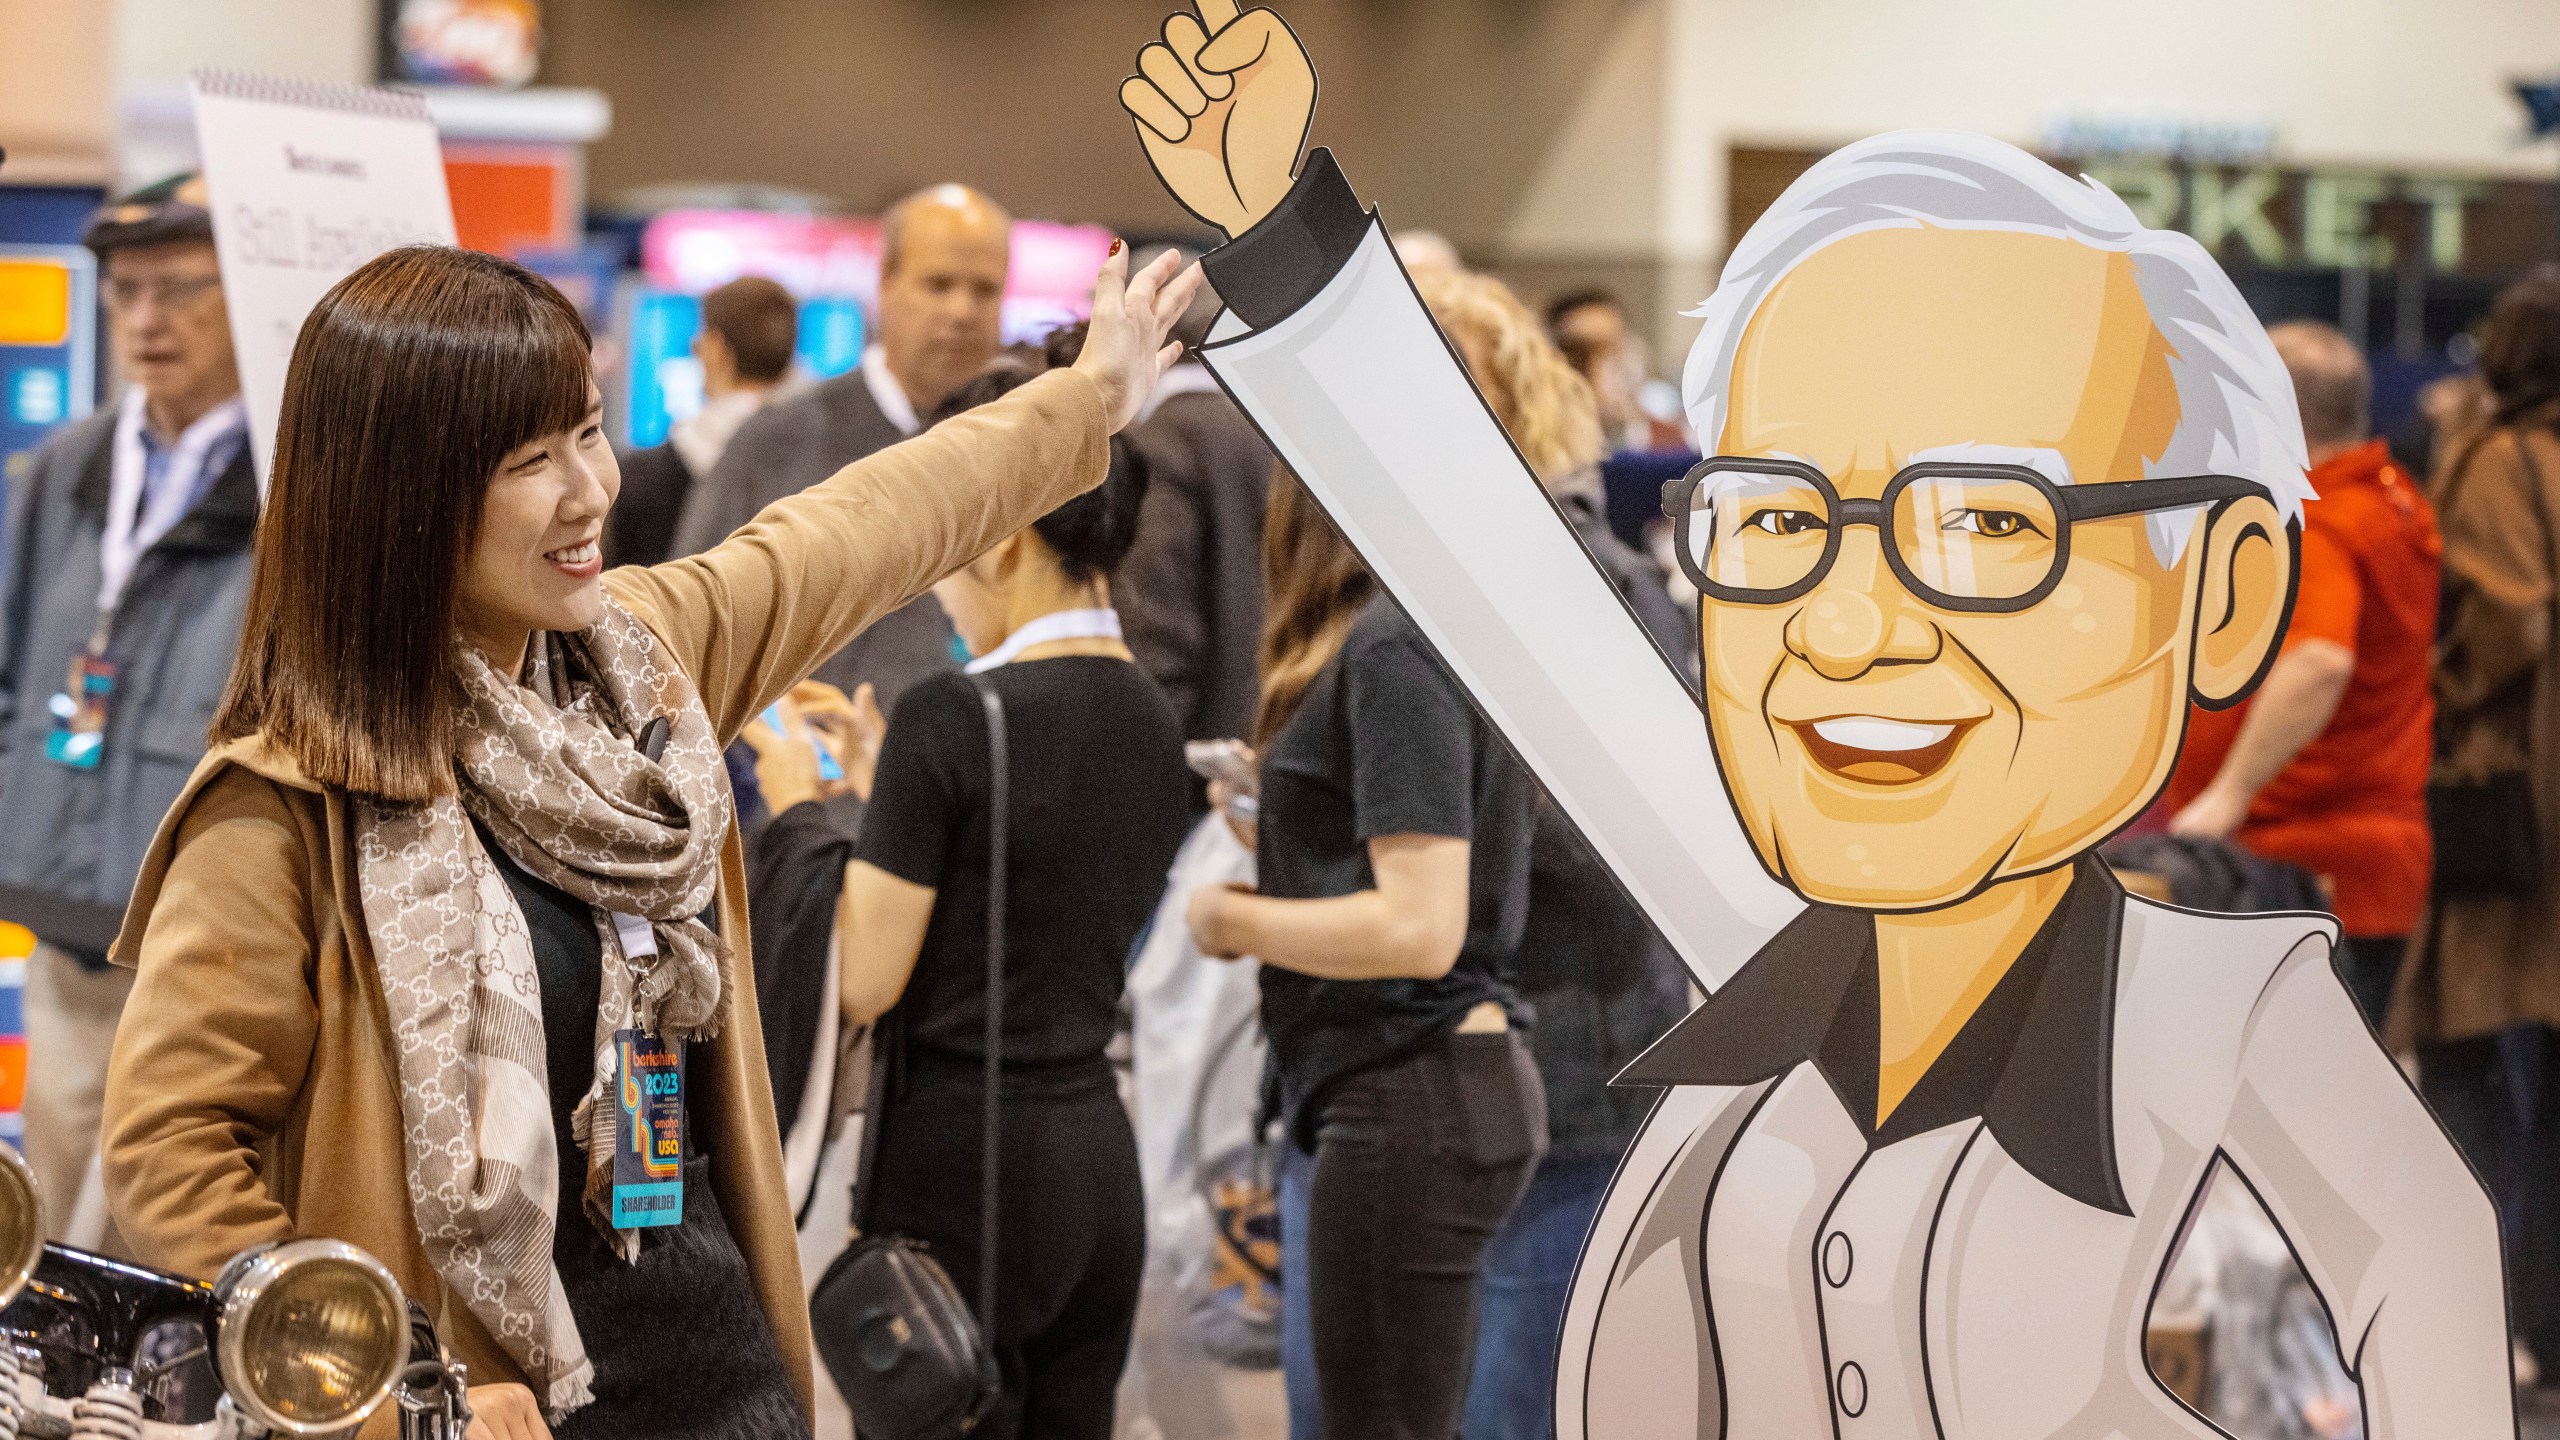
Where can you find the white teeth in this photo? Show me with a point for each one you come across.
(1872, 732)
(574, 555)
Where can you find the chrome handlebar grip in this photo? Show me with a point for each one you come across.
(434, 1400)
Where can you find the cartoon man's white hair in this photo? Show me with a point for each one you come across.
(2236, 413)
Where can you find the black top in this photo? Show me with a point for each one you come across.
(1385, 743)
(725, 1378)
(2033, 1061)
(1099, 806)
(568, 957)
(1190, 590)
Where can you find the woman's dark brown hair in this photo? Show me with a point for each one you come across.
(2520, 343)
(412, 378)
(1090, 534)
(1315, 587)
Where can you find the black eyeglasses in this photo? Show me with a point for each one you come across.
(1962, 536)
(173, 292)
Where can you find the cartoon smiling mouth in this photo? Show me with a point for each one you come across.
(1879, 751)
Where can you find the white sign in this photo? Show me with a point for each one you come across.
(2190, 137)
(308, 181)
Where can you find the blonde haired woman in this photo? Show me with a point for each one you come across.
(1534, 391)
(1603, 983)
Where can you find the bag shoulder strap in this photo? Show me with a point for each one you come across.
(999, 797)
(886, 1034)
(874, 1100)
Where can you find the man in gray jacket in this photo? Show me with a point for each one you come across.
(1190, 591)
(125, 568)
(944, 256)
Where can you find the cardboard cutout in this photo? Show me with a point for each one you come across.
(2002, 481)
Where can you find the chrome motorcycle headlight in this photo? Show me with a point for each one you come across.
(21, 1223)
(313, 1334)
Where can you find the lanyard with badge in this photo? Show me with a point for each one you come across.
(79, 733)
(648, 1091)
(80, 711)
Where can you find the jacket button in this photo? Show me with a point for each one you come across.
(1836, 1259)
(1853, 1390)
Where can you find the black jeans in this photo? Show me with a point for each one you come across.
(2370, 966)
(2496, 1096)
(1071, 1232)
(1418, 1162)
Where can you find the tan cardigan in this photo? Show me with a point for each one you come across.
(2480, 963)
(254, 1095)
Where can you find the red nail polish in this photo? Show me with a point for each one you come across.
(1115, 247)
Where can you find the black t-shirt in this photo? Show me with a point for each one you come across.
(568, 960)
(1385, 743)
(1099, 806)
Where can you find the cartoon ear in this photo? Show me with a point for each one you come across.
(2251, 559)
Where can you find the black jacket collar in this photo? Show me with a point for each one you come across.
(223, 520)
(2035, 1061)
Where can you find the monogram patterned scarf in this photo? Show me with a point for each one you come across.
(551, 769)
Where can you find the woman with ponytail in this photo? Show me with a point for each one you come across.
(1097, 801)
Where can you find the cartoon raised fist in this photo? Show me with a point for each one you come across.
(1223, 103)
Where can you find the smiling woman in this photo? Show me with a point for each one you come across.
(397, 518)
(539, 551)
(462, 859)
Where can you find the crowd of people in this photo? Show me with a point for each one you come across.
(702, 742)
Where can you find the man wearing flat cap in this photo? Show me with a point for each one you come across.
(121, 587)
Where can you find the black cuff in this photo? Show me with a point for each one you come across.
(803, 828)
(1266, 273)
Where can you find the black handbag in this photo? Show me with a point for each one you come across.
(912, 1361)
(2487, 839)
(2486, 843)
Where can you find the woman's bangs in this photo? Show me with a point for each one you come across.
(540, 376)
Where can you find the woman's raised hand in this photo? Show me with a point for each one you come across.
(1124, 348)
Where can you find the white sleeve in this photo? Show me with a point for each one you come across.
(1357, 390)
(1637, 1356)
(2389, 1223)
